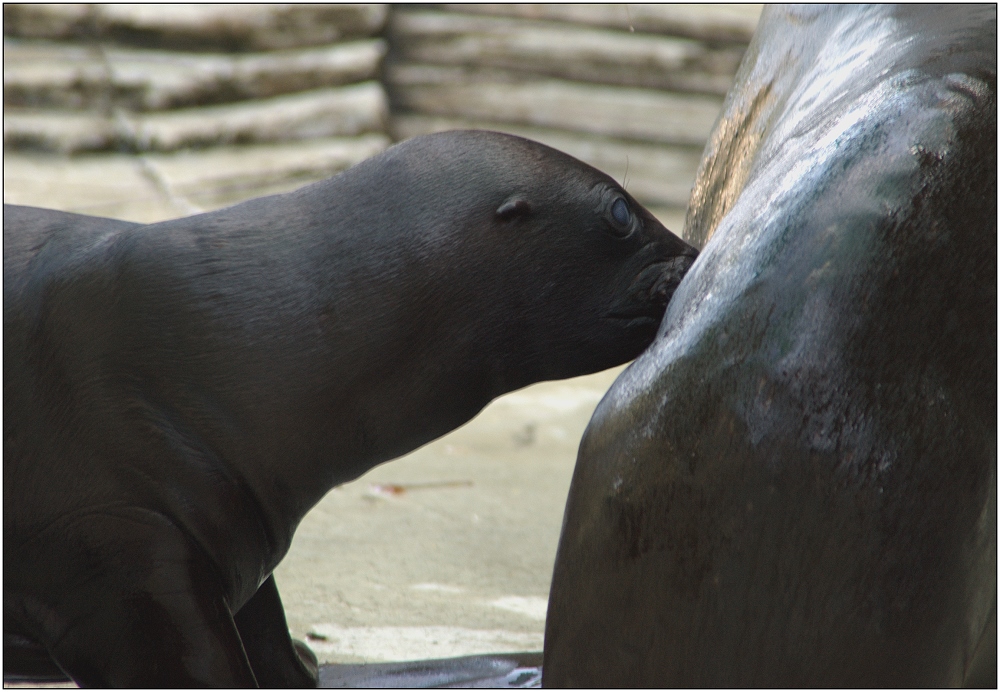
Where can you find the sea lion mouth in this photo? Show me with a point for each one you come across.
(651, 290)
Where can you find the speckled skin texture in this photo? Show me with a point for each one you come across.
(796, 484)
(177, 396)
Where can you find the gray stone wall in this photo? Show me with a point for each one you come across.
(152, 111)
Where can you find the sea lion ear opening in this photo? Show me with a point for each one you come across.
(513, 208)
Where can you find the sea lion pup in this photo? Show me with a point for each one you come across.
(178, 395)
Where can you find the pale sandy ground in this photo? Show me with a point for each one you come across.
(454, 569)
(457, 563)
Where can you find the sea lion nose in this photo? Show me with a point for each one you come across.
(681, 249)
(669, 244)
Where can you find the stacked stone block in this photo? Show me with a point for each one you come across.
(631, 89)
(208, 104)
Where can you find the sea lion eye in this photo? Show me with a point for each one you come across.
(620, 218)
(620, 212)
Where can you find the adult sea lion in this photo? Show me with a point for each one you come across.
(795, 485)
(178, 395)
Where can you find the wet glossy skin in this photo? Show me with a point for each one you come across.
(796, 484)
(177, 396)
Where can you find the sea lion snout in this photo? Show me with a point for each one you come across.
(666, 276)
(653, 287)
(653, 275)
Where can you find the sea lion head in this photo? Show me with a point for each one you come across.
(560, 270)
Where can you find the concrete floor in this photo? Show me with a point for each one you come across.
(445, 552)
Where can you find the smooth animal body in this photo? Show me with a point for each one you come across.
(178, 395)
(795, 485)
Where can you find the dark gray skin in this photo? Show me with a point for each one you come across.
(178, 395)
(795, 485)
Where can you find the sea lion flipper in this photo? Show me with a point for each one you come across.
(25, 660)
(153, 613)
(154, 640)
(273, 655)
